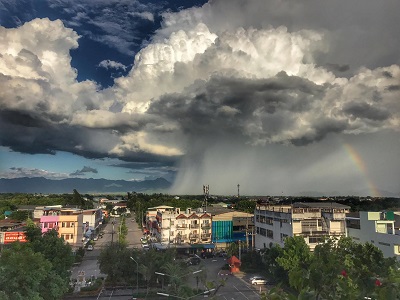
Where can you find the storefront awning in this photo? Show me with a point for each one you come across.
(203, 246)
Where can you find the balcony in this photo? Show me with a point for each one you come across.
(194, 226)
(193, 236)
(206, 235)
(205, 226)
(181, 226)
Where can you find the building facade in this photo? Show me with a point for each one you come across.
(312, 221)
(377, 228)
(231, 227)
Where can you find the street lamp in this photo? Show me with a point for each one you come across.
(137, 276)
(174, 296)
(191, 273)
(175, 276)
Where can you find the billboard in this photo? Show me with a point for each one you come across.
(13, 236)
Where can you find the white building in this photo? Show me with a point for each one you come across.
(313, 221)
(377, 228)
(170, 225)
(91, 220)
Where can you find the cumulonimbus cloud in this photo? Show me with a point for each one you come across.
(260, 82)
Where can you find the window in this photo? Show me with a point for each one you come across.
(63, 224)
(314, 239)
(270, 234)
(263, 231)
(384, 244)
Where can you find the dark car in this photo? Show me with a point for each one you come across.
(192, 261)
(207, 254)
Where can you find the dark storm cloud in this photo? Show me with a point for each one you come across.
(83, 171)
(29, 134)
(365, 110)
(392, 88)
(337, 67)
(231, 106)
(387, 74)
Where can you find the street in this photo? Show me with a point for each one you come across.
(236, 287)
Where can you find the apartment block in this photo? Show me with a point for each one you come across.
(312, 220)
(378, 228)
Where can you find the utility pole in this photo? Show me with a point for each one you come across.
(112, 232)
(247, 233)
(238, 190)
(240, 252)
(206, 192)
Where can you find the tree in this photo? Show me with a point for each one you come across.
(32, 232)
(296, 260)
(274, 269)
(20, 215)
(25, 274)
(232, 249)
(56, 251)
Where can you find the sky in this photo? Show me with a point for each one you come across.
(282, 97)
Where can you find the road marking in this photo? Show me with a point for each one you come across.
(240, 292)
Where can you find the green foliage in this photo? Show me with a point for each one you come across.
(246, 206)
(25, 274)
(296, 260)
(32, 232)
(252, 261)
(56, 251)
(115, 262)
(338, 269)
(123, 231)
(82, 203)
(232, 249)
(19, 215)
(273, 269)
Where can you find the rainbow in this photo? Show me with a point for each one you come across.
(360, 164)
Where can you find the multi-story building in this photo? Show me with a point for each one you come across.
(173, 226)
(230, 227)
(313, 221)
(91, 220)
(70, 226)
(377, 228)
(74, 225)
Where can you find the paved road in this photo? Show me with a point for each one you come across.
(236, 287)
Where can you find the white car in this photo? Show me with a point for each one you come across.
(90, 247)
(258, 280)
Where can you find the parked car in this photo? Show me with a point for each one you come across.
(95, 238)
(207, 254)
(192, 261)
(90, 247)
(258, 280)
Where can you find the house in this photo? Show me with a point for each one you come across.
(312, 220)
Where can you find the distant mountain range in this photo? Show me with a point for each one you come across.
(50, 186)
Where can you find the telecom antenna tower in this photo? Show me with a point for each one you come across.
(206, 192)
(238, 190)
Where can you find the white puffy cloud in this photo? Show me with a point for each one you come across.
(18, 172)
(110, 64)
(200, 80)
